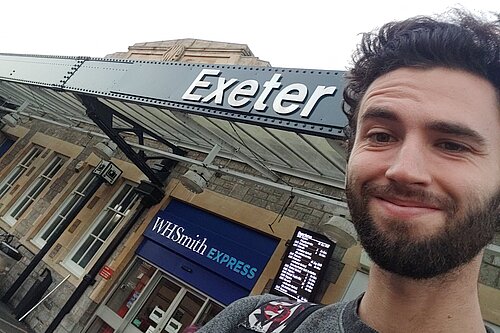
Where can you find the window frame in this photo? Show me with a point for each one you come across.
(56, 218)
(32, 193)
(73, 266)
(8, 182)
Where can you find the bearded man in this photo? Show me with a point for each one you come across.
(423, 180)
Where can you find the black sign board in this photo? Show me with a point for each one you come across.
(305, 261)
(292, 99)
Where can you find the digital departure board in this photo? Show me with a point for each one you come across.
(305, 261)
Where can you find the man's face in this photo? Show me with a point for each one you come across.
(424, 173)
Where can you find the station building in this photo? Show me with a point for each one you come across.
(145, 257)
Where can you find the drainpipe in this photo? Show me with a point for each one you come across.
(93, 187)
(152, 195)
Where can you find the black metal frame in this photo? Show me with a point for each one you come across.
(103, 115)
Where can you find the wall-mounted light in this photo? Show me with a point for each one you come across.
(196, 178)
(105, 149)
(10, 119)
(341, 230)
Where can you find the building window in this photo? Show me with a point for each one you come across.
(33, 191)
(5, 145)
(9, 181)
(73, 200)
(100, 230)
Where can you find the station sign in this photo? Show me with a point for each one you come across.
(293, 99)
(303, 266)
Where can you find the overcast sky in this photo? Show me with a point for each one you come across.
(301, 34)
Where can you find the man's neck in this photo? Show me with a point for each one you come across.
(445, 304)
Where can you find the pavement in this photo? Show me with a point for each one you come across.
(9, 323)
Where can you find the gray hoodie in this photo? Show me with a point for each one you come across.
(334, 318)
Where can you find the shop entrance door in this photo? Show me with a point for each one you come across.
(170, 308)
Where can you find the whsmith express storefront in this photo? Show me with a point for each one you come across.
(185, 271)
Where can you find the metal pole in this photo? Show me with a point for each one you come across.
(45, 297)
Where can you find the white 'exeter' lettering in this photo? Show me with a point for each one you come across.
(290, 99)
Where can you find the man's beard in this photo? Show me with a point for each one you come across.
(464, 234)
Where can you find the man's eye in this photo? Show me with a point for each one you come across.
(453, 147)
(381, 137)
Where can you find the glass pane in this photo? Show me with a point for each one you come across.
(69, 204)
(104, 219)
(4, 189)
(110, 227)
(86, 183)
(90, 253)
(130, 289)
(127, 202)
(59, 216)
(34, 153)
(11, 179)
(17, 172)
(99, 326)
(76, 258)
(38, 188)
(116, 204)
(21, 207)
(208, 313)
(102, 227)
(54, 224)
(56, 164)
(153, 310)
(184, 314)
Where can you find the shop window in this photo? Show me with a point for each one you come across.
(210, 311)
(33, 191)
(185, 313)
(131, 287)
(99, 326)
(72, 201)
(5, 145)
(102, 227)
(16, 173)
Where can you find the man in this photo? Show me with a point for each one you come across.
(423, 183)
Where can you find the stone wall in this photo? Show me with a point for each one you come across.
(490, 267)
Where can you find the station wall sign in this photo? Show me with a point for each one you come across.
(303, 266)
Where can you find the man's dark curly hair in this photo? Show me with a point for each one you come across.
(461, 41)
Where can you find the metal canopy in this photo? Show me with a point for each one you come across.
(298, 134)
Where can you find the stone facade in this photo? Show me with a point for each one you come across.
(490, 267)
(192, 50)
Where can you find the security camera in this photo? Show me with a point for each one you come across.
(79, 166)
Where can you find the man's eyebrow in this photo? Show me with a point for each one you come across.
(379, 113)
(458, 130)
(444, 127)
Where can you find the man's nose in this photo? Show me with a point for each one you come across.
(409, 165)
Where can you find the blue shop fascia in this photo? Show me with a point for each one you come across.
(215, 256)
